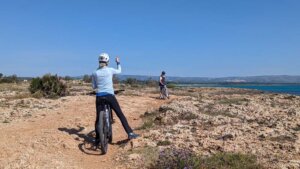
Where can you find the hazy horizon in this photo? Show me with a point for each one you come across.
(184, 38)
(122, 74)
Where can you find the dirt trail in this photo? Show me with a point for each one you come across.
(61, 138)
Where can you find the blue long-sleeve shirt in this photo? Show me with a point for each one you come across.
(102, 80)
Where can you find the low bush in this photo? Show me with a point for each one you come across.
(49, 86)
(177, 159)
(131, 81)
(151, 83)
(188, 116)
(149, 119)
(171, 86)
(236, 101)
(231, 161)
(87, 78)
(8, 79)
(186, 159)
(164, 143)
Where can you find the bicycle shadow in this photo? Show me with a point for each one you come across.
(88, 145)
(155, 97)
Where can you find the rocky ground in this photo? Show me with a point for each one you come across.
(206, 121)
(210, 121)
(59, 133)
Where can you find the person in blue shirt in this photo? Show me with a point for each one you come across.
(103, 84)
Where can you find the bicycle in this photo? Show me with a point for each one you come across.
(104, 126)
(165, 92)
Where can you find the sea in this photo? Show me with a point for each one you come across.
(293, 89)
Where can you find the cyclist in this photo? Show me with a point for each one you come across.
(102, 82)
(162, 84)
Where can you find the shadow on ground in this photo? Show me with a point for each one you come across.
(87, 146)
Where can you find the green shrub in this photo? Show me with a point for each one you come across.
(231, 161)
(164, 143)
(49, 86)
(68, 78)
(131, 81)
(149, 119)
(236, 101)
(188, 116)
(149, 123)
(5, 121)
(9, 79)
(87, 78)
(171, 86)
(151, 83)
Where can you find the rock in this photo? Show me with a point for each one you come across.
(134, 157)
(225, 137)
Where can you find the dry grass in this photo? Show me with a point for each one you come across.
(236, 101)
(14, 87)
(209, 110)
(148, 154)
(164, 143)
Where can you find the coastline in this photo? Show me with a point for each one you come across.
(280, 88)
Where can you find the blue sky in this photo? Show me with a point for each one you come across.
(212, 38)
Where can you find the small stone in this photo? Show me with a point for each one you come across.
(134, 157)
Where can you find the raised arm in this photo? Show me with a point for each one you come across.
(119, 69)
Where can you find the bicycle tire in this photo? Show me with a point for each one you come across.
(102, 129)
(110, 134)
(165, 92)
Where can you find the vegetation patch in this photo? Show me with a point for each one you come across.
(164, 143)
(146, 125)
(231, 161)
(19, 96)
(22, 104)
(176, 159)
(149, 119)
(236, 101)
(171, 86)
(283, 139)
(185, 158)
(8, 79)
(5, 121)
(149, 155)
(291, 97)
(188, 116)
(164, 109)
(209, 110)
(49, 86)
(87, 78)
(297, 128)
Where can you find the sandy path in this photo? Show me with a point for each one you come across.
(60, 139)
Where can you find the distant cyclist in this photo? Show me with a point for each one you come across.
(103, 83)
(163, 86)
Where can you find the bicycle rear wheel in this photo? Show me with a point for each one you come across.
(165, 93)
(110, 135)
(103, 131)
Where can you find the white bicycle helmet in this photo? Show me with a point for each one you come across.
(104, 58)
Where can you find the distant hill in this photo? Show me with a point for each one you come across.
(190, 80)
